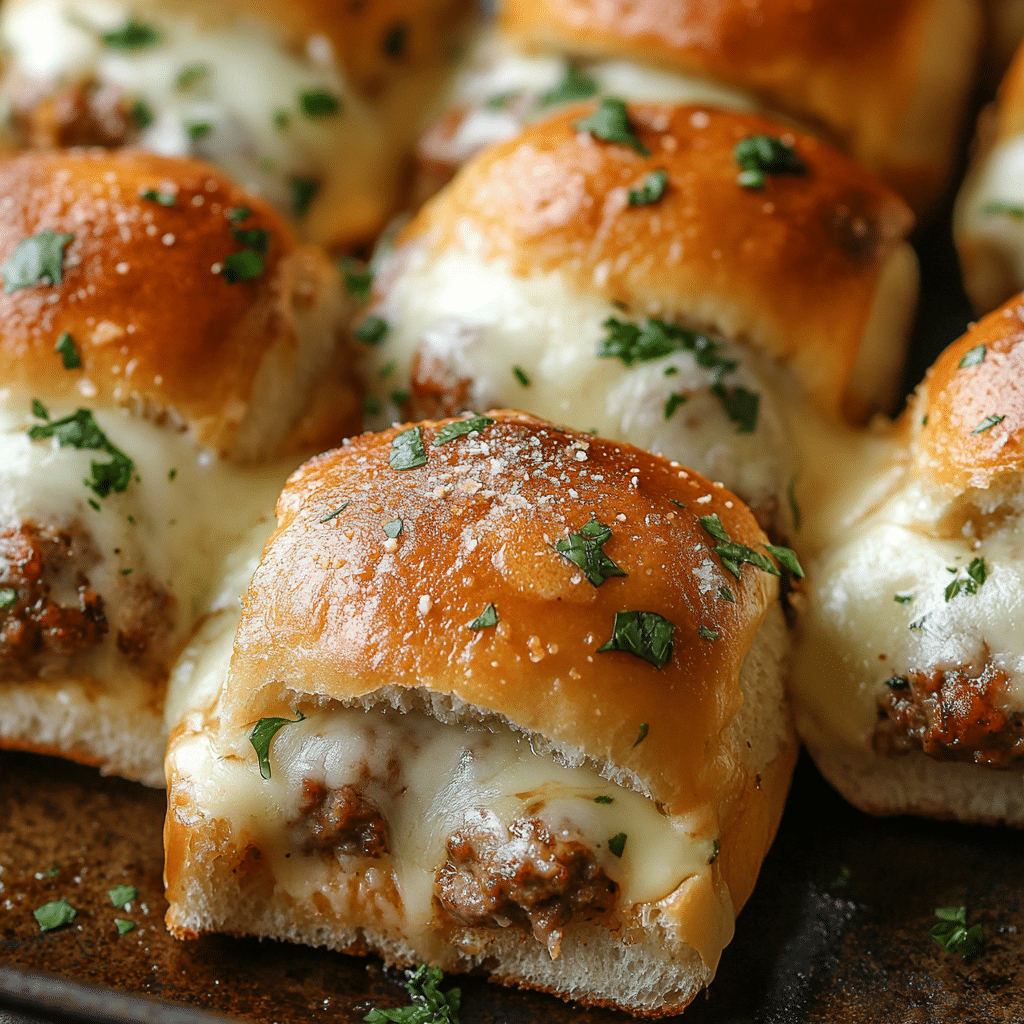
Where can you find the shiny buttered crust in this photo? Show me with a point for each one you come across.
(888, 79)
(146, 298)
(969, 416)
(795, 268)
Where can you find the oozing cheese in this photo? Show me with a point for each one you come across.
(479, 322)
(245, 86)
(444, 774)
(500, 86)
(855, 634)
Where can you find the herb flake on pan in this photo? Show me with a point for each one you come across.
(450, 431)
(191, 75)
(987, 424)
(304, 191)
(488, 617)
(726, 594)
(123, 925)
(121, 895)
(358, 279)
(151, 195)
(610, 123)
(319, 103)
(54, 914)
(602, 799)
(263, 732)
(642, 734)
(36, 260)
(520, 375)
(8, 598)
(673, 402)
(953, 934)
(645, 635)
(759, 155)
(132, 35)
(238, 213)
(393, 530)
(242, 266)
(197, 130)
(713, 527)
(585, 550)
(617, 843)
(372, 331)
(977, 573)
(65, 348)
(80, 430)
(903, 598)
(500, 100)
(1012, 210)
(972, 357)
(407, 451)
(786, 557)
(575, 85)
(140, 114)
(650, 190)
(740, 404)
(427, 1003)
(707, 633)
(337, 512)
(256, 239)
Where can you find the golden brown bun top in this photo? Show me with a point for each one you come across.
(791, 268)
(956, 444)
(333, 613)
(152, 323)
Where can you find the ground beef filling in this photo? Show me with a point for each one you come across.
(951, 716)
(339, 820)
(495, 876)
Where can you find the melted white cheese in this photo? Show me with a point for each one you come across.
(855, 634)
(479, 321)
(495, 71)
(445, 774)
(249, 78)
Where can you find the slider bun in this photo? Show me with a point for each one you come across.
(957, 400)
(157, 330)
(812, 269)
(333, 617)
(888, 79)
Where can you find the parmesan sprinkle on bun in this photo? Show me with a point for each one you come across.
(485, 649)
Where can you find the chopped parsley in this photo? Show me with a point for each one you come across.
(407, 451)
(488, 617)
(987, 424)
(450, 431)
(650, 190)
(80, 430)
(585, 549)
(520, 375)
(786, 557)
(610, 123)
(399, 397)
(794, 508)
(395, 40)
(897, 682)
(602, 799)
(575, 85)
(151, 195)
(123, 926)
(334, 515)
(8, 598)
(500, 100)
(358, 282)
(617, 843)
(238, 213)
(1012, 210)
(132, 35)
(262, 733)
(707, 633)
(372, 331)
(972, 357)
(646, 635)
(673, 402)
(172, 475)
(197, 130)
(953, 935)
(385, 371)
(54, 915)
(121, 895)
(256, 239)
(191, 75)
(242, 266)
(140, 115)
(977, 573)
(642, 734)
(65, 347)
(733, 554)
(371, 406)
(759, 155)
(903, 598)
(918, 623)
(319, 103)
(740, 405)
(393, 529)
(36, 260)
(713, 526)
(282, 119)
(304, 191)
(428, 1004)
(726, 594)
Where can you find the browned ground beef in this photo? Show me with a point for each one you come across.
(494, 876)
(951, 716)
(339, 820)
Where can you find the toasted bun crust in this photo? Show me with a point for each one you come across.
(954, 446)
(792, 269)
(399, 618)
(889, 80)
(156, 328)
